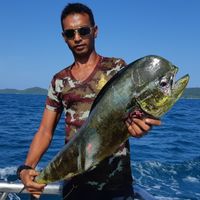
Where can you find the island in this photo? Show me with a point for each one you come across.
(33, 90)
(189, 93)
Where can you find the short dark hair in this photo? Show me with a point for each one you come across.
(72, 8)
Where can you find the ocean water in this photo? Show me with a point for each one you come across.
(166, 162)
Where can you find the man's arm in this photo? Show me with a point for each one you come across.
(39, 145)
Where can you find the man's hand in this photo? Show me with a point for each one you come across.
(139, 127)
(27, 177)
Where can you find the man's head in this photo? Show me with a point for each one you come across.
(79, 29)
(77, 8)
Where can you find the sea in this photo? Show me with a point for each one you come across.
(165, 162)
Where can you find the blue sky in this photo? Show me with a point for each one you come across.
(32, 49)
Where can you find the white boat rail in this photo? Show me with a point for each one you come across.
(6, 188)
(56, 189)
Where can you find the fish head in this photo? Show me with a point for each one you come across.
(159, 90)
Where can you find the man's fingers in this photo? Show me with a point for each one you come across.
(33, 185)
(141, 124)
(134, 130)
(32, 172)
(27, 177)
(37, 196)
(154, 122)
(35, 189)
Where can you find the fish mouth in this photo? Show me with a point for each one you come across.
(174, 93)
(175, 87)
(179, 85)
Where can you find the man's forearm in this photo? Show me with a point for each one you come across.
(39, 145)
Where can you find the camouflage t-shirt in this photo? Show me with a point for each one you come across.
(76, 98)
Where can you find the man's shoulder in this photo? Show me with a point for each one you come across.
(111, 65)
(113, 61)
(62, 73)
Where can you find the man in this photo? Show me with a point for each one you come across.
(73, 90)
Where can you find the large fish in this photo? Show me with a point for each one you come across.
(146, 86)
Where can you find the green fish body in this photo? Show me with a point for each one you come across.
(146, 85)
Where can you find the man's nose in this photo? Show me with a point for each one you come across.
(77, 36)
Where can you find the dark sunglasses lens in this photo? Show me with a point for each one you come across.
(69, 33)
(84, 31)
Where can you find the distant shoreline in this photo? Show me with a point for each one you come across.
(189, 93)
(33, 90)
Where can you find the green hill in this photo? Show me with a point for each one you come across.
(33, 90)
(189, 93)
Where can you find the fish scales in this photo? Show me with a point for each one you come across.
(147, 84)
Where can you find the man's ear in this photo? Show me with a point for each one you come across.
(96, 31)
(65, 39)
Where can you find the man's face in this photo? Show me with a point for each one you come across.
(80, 41)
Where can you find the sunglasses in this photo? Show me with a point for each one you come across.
(83, 32)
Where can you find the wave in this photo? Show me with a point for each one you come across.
(7, 172)
(173, 180)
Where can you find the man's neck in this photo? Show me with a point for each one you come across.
(86, 60)
(83, 67)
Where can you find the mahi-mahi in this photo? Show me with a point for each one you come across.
(146, 86)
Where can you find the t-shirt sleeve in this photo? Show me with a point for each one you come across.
(53, 101)
(123, 63)
(120, 63)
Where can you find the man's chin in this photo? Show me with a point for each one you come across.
(82, 53)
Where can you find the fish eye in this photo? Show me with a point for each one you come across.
(163, 83)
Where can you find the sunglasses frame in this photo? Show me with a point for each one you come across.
(77, 30)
